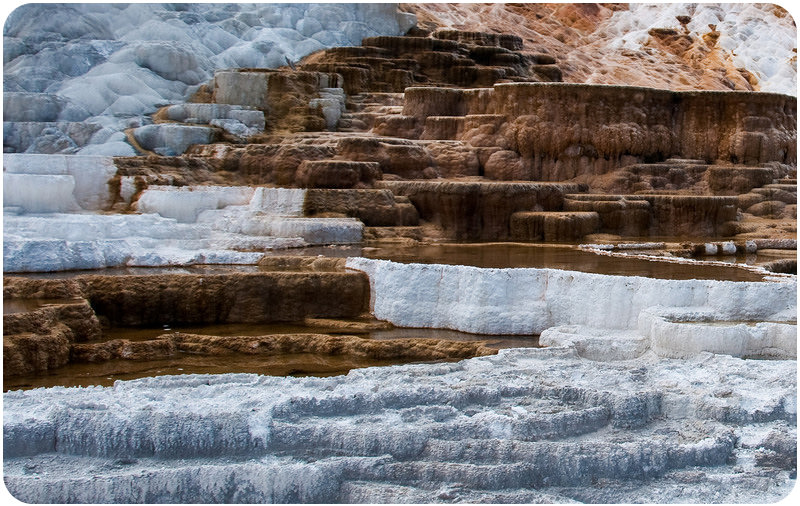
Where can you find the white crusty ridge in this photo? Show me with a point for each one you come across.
(530, 300)
(605, 317)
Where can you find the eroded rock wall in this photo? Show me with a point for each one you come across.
(561, 131)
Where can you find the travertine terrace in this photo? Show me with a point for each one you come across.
(276, 192)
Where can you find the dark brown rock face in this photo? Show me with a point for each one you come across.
(562, 131)
(475, 210)
(226, 298)
(337, 174)
(665, 215)
(375, 208)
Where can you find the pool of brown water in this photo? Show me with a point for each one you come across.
(488, 255)
(512, 255)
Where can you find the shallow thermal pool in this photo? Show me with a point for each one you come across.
(488, 255)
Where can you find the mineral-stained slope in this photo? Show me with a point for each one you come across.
(77, 75)
(676, 46)
(522, 426)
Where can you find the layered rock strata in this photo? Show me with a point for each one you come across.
(561, 131)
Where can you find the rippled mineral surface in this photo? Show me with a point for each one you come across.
(525, 426)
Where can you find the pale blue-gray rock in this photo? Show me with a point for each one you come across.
(127, 60)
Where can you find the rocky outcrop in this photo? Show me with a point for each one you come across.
(45, 333)
(156, 299)
(375, 208)
(338, 174)
(271, 296)
(553, 226)
(666, 215)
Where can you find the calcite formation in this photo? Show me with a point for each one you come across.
(367, 131)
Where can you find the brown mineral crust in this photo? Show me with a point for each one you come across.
(553, 226)
(77, 316)
(374, 207)
(563, 131)
(153, 349)
(277, 163)
(454, 159)
(302, 263)
(30, 352)
(363, 325)
(154, 300)
(40, 339)
(400, 157)
(19, 287)
(277, 344)
(317, 288)
(448, 58)
(283, 95)
(337, 174)
(737, 180)
(477, 210)
(660, 215)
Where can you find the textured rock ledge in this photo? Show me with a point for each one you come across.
(523, 426)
